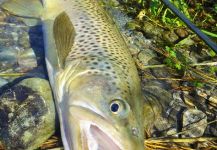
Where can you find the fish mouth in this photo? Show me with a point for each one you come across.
(96, 132)
(94, 138)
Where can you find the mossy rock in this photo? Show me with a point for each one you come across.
(27, 114)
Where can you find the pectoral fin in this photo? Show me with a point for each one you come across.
(31, 9)
(64, 35)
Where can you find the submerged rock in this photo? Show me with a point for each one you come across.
(27, 114)
(21, 46)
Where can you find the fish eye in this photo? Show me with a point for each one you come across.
(114, 107)
(119, 107)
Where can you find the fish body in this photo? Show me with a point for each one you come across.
(92, 74)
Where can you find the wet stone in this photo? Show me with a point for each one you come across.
(170, 37)
(182, 33)
(195, 122)
(167, 115)
(13, 20)
(27, 114)
(156, 100)
(15, 51)
(23, 40)
(145, 55)
(163, 72)
(2, 16)
(152, 31)
(27, 60)
(3, 82)
(7, 56)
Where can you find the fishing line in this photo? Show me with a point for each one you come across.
(196, 30)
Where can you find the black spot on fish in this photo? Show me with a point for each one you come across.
(108, 67)
(92, 68)
(107, 74)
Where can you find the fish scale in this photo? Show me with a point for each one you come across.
(99, 45)
(92, 73)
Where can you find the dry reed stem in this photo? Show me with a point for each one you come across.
(150, 144)
(11, 74)
(181, 140)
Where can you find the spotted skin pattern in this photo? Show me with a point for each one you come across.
(98, 70)
(90, 68)
(100, 46)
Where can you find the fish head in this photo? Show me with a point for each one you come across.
(100, 116)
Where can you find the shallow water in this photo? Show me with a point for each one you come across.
(26, 104)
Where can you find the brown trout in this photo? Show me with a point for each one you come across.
(93, 76)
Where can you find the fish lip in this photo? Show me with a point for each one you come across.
(91, 140)
(86, 124)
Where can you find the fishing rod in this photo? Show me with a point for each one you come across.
(196, 30)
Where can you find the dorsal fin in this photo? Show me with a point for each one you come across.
(64, 35)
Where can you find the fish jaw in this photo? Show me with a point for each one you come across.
(88, 130)
(94, 138)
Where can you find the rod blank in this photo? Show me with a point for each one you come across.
(196, 30)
